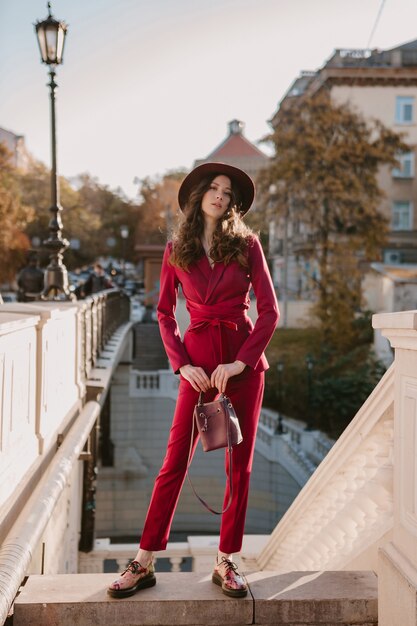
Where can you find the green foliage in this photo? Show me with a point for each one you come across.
(341, 387)
(329, 395)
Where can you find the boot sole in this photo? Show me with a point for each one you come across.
(143, 583)
(233, 593)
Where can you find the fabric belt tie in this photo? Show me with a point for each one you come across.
(216, 322)
(208, 321)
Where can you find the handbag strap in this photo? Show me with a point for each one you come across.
(230, 452)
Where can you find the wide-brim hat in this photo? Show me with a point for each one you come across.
(237, 176)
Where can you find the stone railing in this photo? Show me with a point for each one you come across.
(152, 384)
(122, 554)
(286, 440)
(358, 510)
(200, 550)
(49, 355)
(346, 508)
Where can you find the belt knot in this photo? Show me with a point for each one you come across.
(203, 322)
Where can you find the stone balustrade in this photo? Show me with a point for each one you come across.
(49, 352)
(122, 554)
(153, 384)
(346, 508)
(288, 441)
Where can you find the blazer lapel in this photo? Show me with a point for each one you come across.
(196, 280)
(216, 274)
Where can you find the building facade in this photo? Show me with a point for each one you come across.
(378, 85)
(15, 144)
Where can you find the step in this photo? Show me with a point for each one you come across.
(295, 598)
(149, 353)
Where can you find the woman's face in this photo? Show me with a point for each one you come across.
(216, 199)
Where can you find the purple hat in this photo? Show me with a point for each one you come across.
(242, 181)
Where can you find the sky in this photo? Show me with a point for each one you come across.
(148, 86)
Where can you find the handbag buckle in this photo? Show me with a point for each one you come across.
(205, 425)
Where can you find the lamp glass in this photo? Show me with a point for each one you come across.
(51, 38)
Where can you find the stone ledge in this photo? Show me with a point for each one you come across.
(314, 598)
(190, 599)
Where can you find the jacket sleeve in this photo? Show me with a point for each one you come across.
(266, 304)
(168, 325)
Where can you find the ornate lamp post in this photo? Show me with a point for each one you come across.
(124, 233)
(51, 38)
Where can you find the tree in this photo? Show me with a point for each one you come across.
(111, 210)
(14, 215)
(79, 222)
(158, 208)
(325, 171)
(92, 214)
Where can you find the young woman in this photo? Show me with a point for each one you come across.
(216, 259)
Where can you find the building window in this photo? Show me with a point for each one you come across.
(406, 166)
(402, 216)
(404, 113)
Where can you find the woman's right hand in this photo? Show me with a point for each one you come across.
(196, 376)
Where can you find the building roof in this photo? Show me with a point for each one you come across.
(404, 273)
(235, 144)
(362, 66)
(236, 150)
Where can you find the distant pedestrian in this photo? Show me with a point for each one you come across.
(30, 280)
(97, 281)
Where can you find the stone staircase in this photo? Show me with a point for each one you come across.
(148, 350)
(293, 598)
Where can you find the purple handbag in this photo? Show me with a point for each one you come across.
(218, 427)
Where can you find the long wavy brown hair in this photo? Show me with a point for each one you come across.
(230, 238)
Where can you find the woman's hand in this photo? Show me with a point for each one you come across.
(223, 372)
(196, 376)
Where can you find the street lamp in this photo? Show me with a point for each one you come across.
(51, 39)
(124, 234)
(280, 370)
(279, 427)
(310, 366)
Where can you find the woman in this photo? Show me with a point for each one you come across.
(216, 259)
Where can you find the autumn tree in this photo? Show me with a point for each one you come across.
(14, 216)
(79, 222)
(158, 207)
(112, 210)
(325, 170)
(92, 214)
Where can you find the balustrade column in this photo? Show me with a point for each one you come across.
(397, 567)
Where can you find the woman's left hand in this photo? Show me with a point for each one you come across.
(223, 372)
